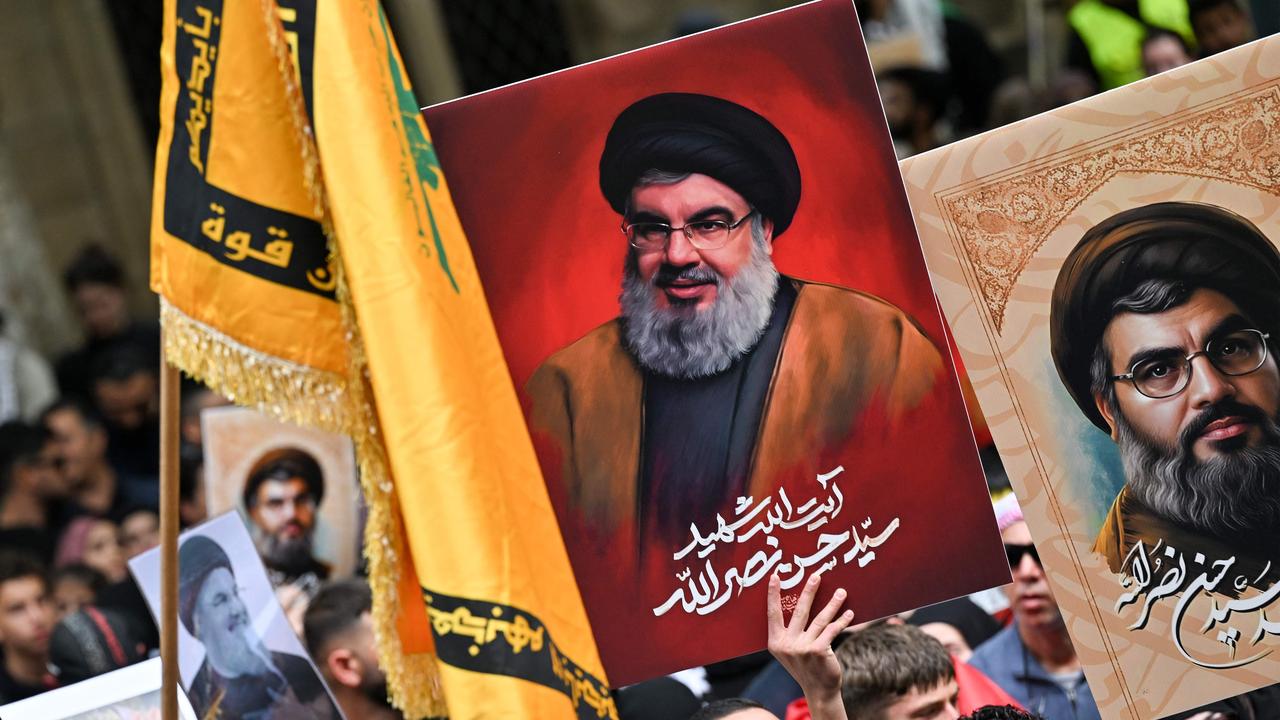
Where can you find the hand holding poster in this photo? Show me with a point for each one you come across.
(1114, 293)
(715, 307)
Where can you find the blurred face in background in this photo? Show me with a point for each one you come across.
(101, 308)
(26, 616)
(1029, 595)
(1163, 52)
(139, 532)
(102, 551)
(80, 446)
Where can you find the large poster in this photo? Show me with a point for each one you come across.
(1111, 273)
(703, 270)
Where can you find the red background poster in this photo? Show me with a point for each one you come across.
(522, 163)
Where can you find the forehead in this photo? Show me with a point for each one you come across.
(1017, 534)
(220, 580)
(21, 589)
(916, 700)
(690, 195)
(282, 488)
(1186, 325)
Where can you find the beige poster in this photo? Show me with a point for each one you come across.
(1111, 273)
(295, 487)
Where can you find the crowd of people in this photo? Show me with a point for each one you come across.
(79, 469)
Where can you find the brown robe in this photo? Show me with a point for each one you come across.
(843, 351)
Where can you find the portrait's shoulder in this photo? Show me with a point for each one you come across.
(859, 311)
(601, 343)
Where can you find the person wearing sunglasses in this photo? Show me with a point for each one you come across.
(1162, 321)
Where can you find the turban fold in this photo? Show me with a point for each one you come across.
(1202, 246)
(197, 557)
(687, 133)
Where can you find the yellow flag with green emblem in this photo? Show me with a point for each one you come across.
(510, 632)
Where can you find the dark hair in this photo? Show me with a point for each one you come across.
(81, 572)
(20, 443)
(928, 87)
(284, 464)
(190, 462)
(335, 608)
(1001, 712)
(87, 414)
(1196, 7)
(884, 662)
(1158, 33)
(15, 566)
(721, 708)
(121, 360)
(93, 264)
(1151, 296)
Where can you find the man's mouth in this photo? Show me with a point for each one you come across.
(1227, 427)
(685, 289)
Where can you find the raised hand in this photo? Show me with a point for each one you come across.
(804, 647)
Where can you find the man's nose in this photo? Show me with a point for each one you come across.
(680, 251)
(1208, 385)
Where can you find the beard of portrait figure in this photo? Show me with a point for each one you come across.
(684, 342)
(1236, 491)
(221, 624)
(289, 555)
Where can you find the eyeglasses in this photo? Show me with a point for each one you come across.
(702, 234)
(1015, 553)
(1237, 353)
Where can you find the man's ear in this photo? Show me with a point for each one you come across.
(1105, 408)
(344, 667)
(767, 226)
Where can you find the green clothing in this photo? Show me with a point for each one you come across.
(1114, 38)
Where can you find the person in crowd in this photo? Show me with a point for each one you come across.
(1033, 659)
(917, 22)
(95, 281)
(1001, 712)
(196, 398)
(192, 507)
(338, 630)
(27, 384)
(914, 101)
(30, 486)
(656, 699)
(74, 586)
(960, 625)
(1107, 36)
(1219, 25)
(239, 676)
(139, 530)
(95, 542)
(80, 440)
(26, 620)
(733, 709)
(126, 393)
(1163, 50)
(92, 641)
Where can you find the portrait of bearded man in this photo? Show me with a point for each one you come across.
(1161, 327)
(281, 495)
(239, 677)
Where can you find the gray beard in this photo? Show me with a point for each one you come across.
(1236, 492)
(686, 343)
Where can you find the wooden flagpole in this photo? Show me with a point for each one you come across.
(169, 417)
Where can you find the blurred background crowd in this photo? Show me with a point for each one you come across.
(79, 340)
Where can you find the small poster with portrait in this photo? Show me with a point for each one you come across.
(296, 488)
(130, 693)
(713, 305)
(1111, 273)
(237, 654)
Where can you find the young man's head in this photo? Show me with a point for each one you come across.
(1164, 50)
(29, 463)
(733, 709)
(79, 437)
(26, 610)
(896, 672)
(281, 494)
(703, 186)
(339, 634)
(95, 282)
(1174, 307)
(126, 387)
(1219, 25)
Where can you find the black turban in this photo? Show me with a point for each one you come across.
(197, 557)
(686, 133)
(1202, 246)
(284, 464)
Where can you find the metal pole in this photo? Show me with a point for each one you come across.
(169, 389)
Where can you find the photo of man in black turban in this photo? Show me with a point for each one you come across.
(703, 389)
(1162, 323)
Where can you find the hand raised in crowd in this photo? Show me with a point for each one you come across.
(804, 648)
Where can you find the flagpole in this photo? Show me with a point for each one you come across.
(169, 391)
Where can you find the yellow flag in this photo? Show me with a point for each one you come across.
(511, 634)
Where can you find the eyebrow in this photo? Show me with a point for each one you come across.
(928, 710)
(706, 213)
(1235, 321)
(645, 216)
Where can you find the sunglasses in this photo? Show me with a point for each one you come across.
(1015, 553)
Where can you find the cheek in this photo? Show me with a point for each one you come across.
(647, 264)
(1159, 420)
